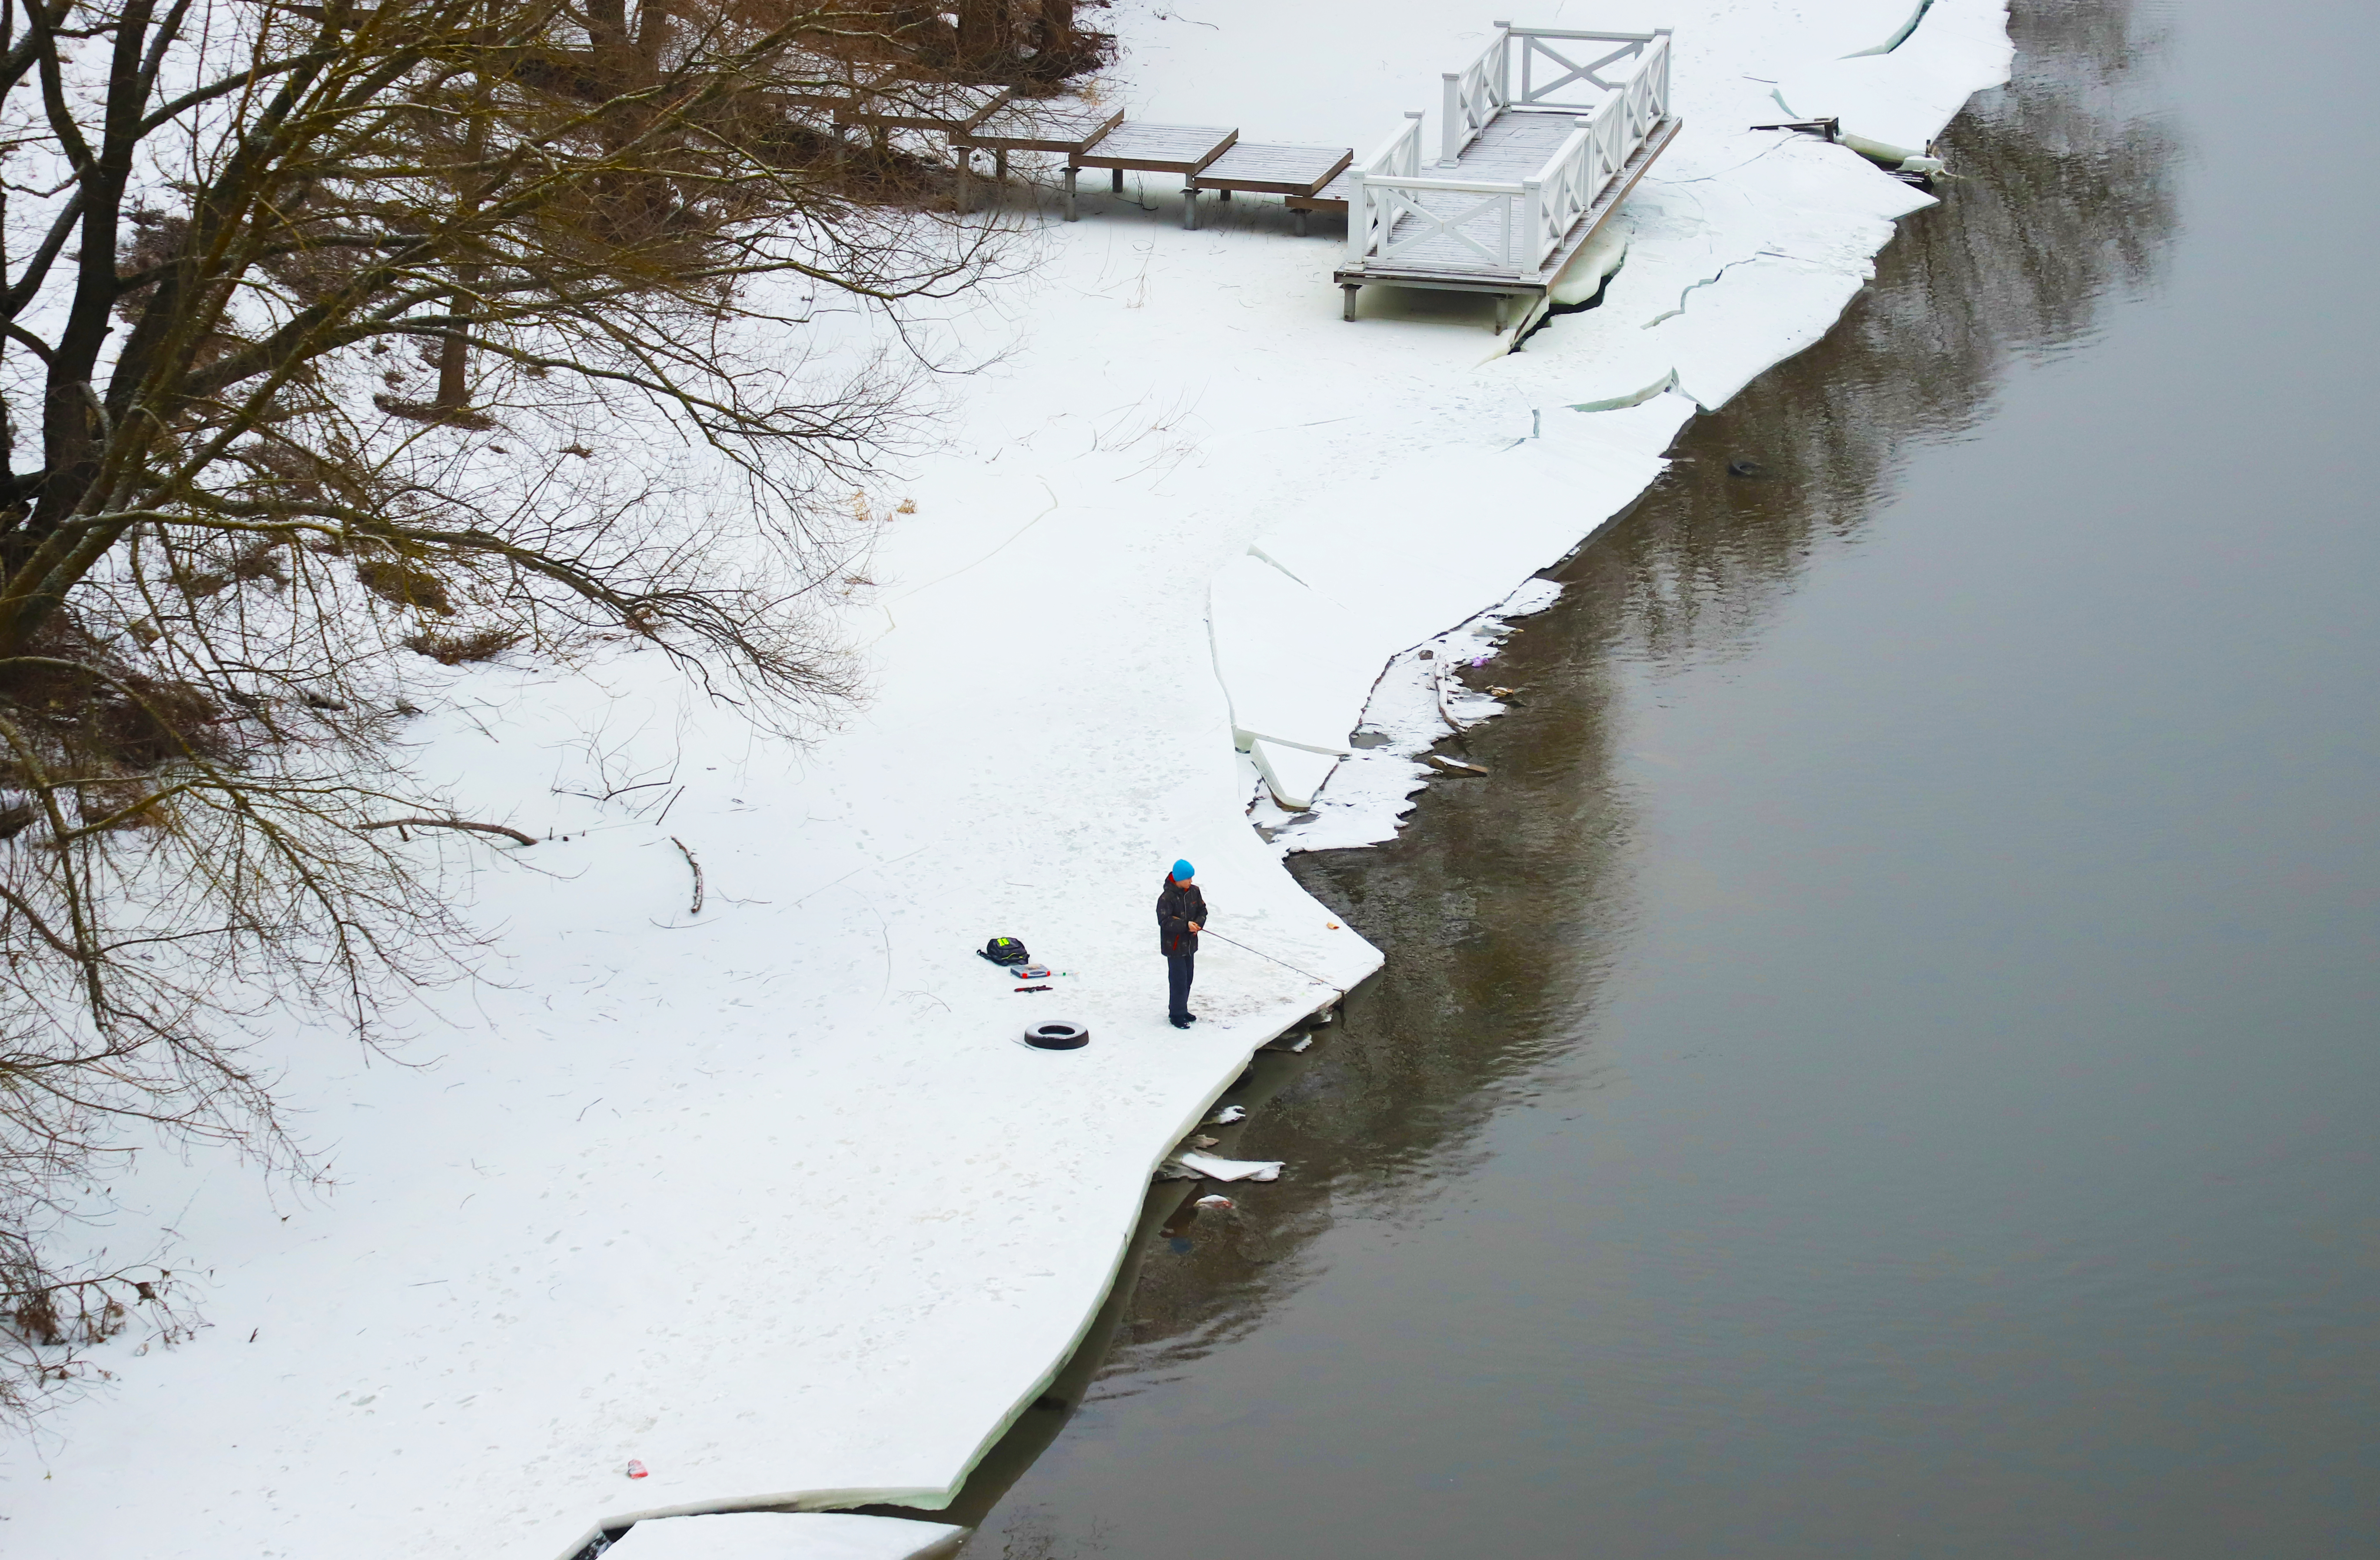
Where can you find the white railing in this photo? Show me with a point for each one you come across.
(1535, 50)
(1475, 94)
(1399, 217)
(1399, 158)
(1399, 223)
(1578, 174)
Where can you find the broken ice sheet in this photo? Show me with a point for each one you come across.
(1216, 1168)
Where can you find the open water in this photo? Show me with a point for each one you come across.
(1890, 1062)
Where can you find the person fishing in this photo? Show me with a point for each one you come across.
(1180, 914)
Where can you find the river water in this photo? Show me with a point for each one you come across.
(1888, 1062)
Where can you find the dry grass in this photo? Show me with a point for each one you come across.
(406, 584)
(472, 644)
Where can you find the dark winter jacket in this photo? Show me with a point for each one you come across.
(1177, 906)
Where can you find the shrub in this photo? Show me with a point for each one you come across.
(453, 649)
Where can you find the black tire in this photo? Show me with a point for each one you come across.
(1057, 1036)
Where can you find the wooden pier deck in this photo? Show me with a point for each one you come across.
(1155, 149)
(894, 102)
(1068, 129)
(1538, 147)
(1521, 180)
(1294, 172)
(1456, 246)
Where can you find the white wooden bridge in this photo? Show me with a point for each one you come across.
(1541, 137)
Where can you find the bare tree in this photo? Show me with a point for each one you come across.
(337, 332)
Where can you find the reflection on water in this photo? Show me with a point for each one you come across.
(2065, 198)
(1561, 1388)
(1502, 906)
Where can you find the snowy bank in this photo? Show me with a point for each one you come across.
(771, 1200)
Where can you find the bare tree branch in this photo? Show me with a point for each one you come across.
(340, 343)
(508, 832)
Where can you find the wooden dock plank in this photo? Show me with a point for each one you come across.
(1331, 197)
(1274, 170)
(890, 102)
(814, 94)
(1157, 149)
(1033, 128)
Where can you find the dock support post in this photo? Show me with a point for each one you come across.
(1503, 312)
(1301, 214)
(1116, 181)
(1350, 289)
(967, 165)
(1071, 174)
(1190, 206)
(999, 165)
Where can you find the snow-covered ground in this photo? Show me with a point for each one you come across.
(771, 1200)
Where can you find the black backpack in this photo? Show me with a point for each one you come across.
(1005, 950)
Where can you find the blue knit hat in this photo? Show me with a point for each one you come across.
(1181, 873)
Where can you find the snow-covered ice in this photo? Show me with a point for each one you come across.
(1215, 1168)
(771, 1199)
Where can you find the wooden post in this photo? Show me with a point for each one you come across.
(1301, 213)
(1116, 181)
(1350, 289)
(1504, 312)
(967, 165)
(1190, 204)
(1072, 171)
(999, 165)
(1450, 123)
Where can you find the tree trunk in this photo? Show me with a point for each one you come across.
(984, 30)
(1058, 47)
(454, 361)
(455, 352)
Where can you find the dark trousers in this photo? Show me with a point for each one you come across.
(1177, 983)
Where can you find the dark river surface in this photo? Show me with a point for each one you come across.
(1890, 1062)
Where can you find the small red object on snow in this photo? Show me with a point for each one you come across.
(636, 1469)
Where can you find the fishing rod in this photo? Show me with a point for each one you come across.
(1209, 932)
